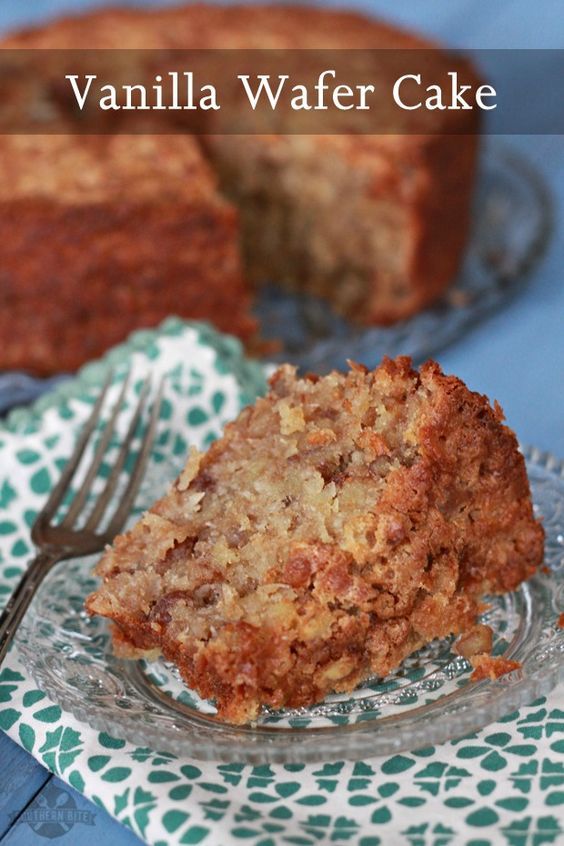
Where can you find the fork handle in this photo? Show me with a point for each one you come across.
(18, 603)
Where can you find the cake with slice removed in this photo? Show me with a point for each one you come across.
(123, 231)
(338, 525)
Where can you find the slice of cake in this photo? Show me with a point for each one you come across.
(338, 525)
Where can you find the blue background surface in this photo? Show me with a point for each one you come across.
(516, 356)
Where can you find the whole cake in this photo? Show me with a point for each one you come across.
(374, 223)
(338, 525)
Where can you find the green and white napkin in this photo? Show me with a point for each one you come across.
(504, 785)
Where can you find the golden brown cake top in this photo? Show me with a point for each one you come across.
(203, 25)
(272, 27)
(92, 169)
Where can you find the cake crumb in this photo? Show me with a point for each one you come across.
(458, 298)
(190, 470)
(492, 667)
(476, 641)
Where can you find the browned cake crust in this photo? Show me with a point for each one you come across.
(376, 224)
(339, 524)
(102, 235)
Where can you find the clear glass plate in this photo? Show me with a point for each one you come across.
(428, 700)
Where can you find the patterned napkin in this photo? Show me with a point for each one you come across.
(503, 785)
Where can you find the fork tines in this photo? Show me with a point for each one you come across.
(78, 504)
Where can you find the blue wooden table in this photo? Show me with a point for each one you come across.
(27, 790)
(516, 356)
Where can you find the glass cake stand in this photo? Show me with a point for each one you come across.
(428, 700)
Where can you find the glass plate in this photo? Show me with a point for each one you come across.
(428, 700)
(512, 223)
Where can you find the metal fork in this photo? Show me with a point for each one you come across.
(59, 540)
